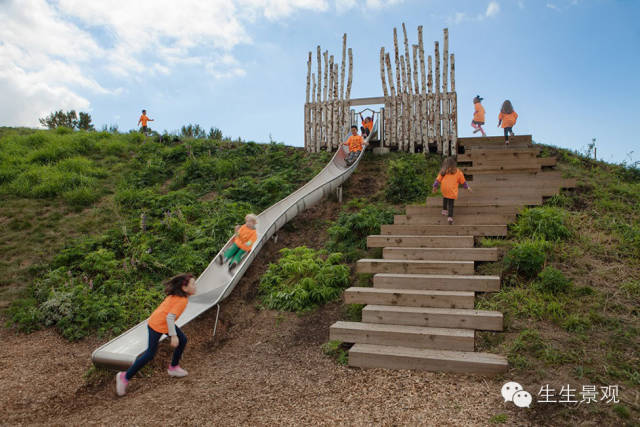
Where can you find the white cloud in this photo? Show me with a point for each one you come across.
(51, 51)
(553, 7)
(343, 6)
(493, 8)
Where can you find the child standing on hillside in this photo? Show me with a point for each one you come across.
(478, 115)
(245, 237)
(450, 177)
(355, 143)
(143, 120)
(508, 119)
(163, 321)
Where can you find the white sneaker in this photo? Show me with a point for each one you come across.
(121, 383)
(176, 371)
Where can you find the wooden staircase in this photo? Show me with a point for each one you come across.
(420, 313)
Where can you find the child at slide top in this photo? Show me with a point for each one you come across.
(367, 125)
(143, 120)
(508, 119)
(449, 177)
(478, 115)
(245, 237)
(163, 321)
(355, 143)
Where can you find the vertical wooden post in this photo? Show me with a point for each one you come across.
(325, 95)
(408, 103)
(393, 117)
(398, 111)
(314, 116)
(446, 119)
(329, 106)
(430, 105)
(416, 99)
(405, 110)
(336, 102)
(424, 120)
(454, 108)
(318, 109)
(307, 114)
(383, 126)
(348, 94)
(341, 103)
(437, 104)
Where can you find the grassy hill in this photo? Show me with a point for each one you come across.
(91, 223)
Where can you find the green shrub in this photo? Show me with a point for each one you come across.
(302, 279)
(336, 350)
(408, 178)
(349, 233)
(552, 280)
(528, 257)
(548, 223)
(81, 197)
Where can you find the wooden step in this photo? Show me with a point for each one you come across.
(403, 335)
(419, 210)
(523, 153)
(488, 201)
(547, 161)
(437, 282)
(443, 230)
(507, 163)
(521, 177)
(442, 254)
(409, 297)
(382, 241)
(493, 140)
(508, 192)
(478, 170)
(395, 357)
(530, 183)
(414, 267)
(435, 317)
(439, 219)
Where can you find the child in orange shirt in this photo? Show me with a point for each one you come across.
(450, 176)
(478, 115)
(355, 143)
(508, 119)
(163, 321)
(367, 125)
(245, 237)
(144, 119)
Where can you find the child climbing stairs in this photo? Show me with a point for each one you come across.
(420, 313)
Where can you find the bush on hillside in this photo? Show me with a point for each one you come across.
(552, 280)
(409, 176)
(349, 233)
(528, 257)
(303, 279)
(548, 223)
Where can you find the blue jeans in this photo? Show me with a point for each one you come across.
(152, 349)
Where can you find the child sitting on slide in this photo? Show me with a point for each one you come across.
(355, 143)
(163, 321)
(245, 237)
(367, 125)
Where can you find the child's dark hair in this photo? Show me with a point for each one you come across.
(354, 127)
(144, 111)
(507, 108)
(174, 285)
(449, 166)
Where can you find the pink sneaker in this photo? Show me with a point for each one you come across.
(176, 371)
(450, 220)
(444, 213)
(121, 383)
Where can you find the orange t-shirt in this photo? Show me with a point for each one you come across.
(508, 120)
(245, 238)
(355, 143)
(478, 115)
(449, 184)
(144, 119)
(171, 304)
(368, 125)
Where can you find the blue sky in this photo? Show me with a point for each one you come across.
(570, 67)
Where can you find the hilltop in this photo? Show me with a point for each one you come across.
(92, 222)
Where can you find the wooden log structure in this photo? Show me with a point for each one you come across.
(420, 100)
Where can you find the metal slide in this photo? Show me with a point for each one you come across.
(215, 283)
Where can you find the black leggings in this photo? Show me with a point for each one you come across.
(365, 131)
(506, 133)
(447, 205)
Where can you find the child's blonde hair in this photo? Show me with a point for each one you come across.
(252, 217)
(507, 108)
(449, 166)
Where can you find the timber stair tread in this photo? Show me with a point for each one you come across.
(410, 297)
(396, 357)
(399, 240)
(403, 335)
(462, 219)
(441, 254)
(465, 318)
(377, 265)
(437, 282)
(459, 230)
